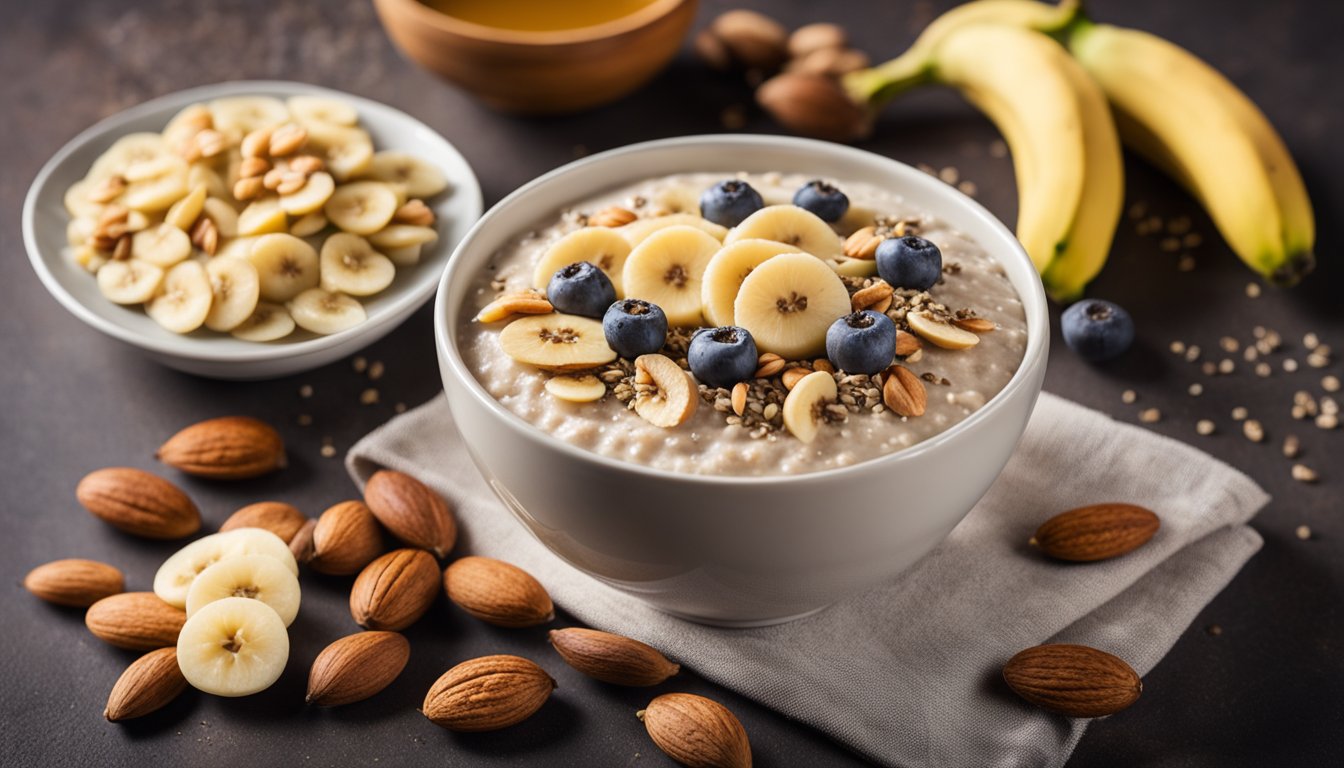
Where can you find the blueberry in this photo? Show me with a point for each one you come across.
(1097, 330)
(729, 202)
(864, 342)
(827, 202)
(721, 357)
(580, 289)
(634, 327)
(909, 262)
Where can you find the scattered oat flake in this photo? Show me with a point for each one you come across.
(1177, 347)
(1254, 431)
(1226, 365)
(1150, 415)
(1330, 383)
(376, 370)
(1229, 344)
(1327, 421)
(328, 451)
(1196, 389)
(368, 396)
(1128, 396)
(1304, 474)
(306, 390)
(1303, 532)
(1311, 341)
(1291, 446)
(1239, 413)
(1192, 353)
(1205, 427)
(1253, 290)
(1263, 370)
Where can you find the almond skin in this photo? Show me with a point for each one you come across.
(411, 511)
(226, 448)
(1073, 680)
(136, 621)
(814, 105)
(76, 583)
(302, 544)
(395, 590)
(612, 658)
(1096, 532)
(139, 503)
(497, 592)
(356, 667)
(147, 685)
(697, 732)
(487, 694)
(346, 539)
(275, 516)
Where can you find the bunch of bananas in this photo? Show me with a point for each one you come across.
(1065, 91)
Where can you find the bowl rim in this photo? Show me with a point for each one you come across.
(1033, 302)
(397, 308)
(443, 22)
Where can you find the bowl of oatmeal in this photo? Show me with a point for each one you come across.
(740, 377)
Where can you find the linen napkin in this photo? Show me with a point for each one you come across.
(908, 673)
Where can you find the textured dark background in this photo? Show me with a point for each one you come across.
(1267, 690)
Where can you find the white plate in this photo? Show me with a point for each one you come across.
(218, 355)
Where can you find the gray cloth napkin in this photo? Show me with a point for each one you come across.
(908, 672)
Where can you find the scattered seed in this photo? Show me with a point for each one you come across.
(1205, 427)
(1150, 415)
(1330, 383)
(1317, 360)
(949, 175)
(1226, 365)
(998, 148)
(1191, 353)
(968, 188)
(1138, 210)
(1263, 370)
(359, 364)
(1214, 629)
(1128, 396)
(1239, 413)
(1186, 263)
(1253, 430)
(1303, 532)
(1253, 290)
(1177, 347)
(1311, 341)
(1170, 244)
(305, 419)
(1192, 240)
(399, 408)
(1291, 446)
(1179, 225)
(1327, 421)
(1329, 406)
(1304, 474)
(368, 396)
(1299, 412)
(1229, 344)
(328, 450)
(1289, 365)
(1209, 368)
(306, 390)
(376, 370)
(1196, 389)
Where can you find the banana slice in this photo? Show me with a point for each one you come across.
(77, 202)
(174, 577)
(184, 212)
(793, 225)
(677, 199)
(236, 287)
(261, 217)
(665, 395)
(404, 257)
(417, 177)
(308, 225)
(236, 248)
(856, 217)
(347, 151)
(268, 322)
(129, 282)
(325, 312)
(576, 389)
(636, 231)
(666, 269)
(940, 334)
(238, 116)
(602, 247)
(162, 245)
(79, 230)
(158, 193)
(222, 214)
(557, 342)
(320, 109)
(403, 236)
(727, 269)
(788, 303)
(256, 577)
(183, 299)
(286, 266)
(185, 125)
(351, 266)
(90, 259)
(803, 405)
(127, 151)
(314, 194)
(200, 173)
(233, 647)
(361, 207)
(853, 267)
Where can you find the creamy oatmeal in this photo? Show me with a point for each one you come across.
(957, 343)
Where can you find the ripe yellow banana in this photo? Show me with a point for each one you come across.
(1066, 154)
(1191, 121)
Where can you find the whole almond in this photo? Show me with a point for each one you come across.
(301, 546)
(275, 516)
(754, 40)
(346, 539)
(903, 392)
(137, 621)
(411, 511)
(816, 37)
(74, 582)
(1096, 532)
(395, 590)
(611, 658)
(907, 343)
(487, 694)
(697, 732)
(356, 667)
(139, 503)
(1073, 680)
(497, 592)
(147, 685)
(226, 448)
(813, 105)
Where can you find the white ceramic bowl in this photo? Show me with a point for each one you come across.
(219, 355)
(726, 550)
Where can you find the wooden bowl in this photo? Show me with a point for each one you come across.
(528, 72)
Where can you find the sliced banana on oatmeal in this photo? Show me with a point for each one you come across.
(793, 225)
(417, 177)
(576, 389)
(236, 288)
(600, 246)
(350, 265)
(325, 312)
(638, 230)
(310, 198)
(788, 303)
(939, 333)
(665, 395)
(322, 109)
(286, 266)
(262, 217)
(183, 299)
(727, 269)
(666, 269)
(268, 322)
(129, 282)
(806, 402)
(237, 116)
(162, 245)
(557, 342)
(361, 207)
(676, 199)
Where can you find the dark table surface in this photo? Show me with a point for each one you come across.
(1256, 680)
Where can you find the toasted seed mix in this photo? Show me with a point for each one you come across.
(1253, 430)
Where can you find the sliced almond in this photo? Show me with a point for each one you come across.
(805, 403)
(665, 395)
(939, 333)
(906, 343)
(519, 303)
(557, 342)
(791, 376)
(739, 397)
(863, 243)
(576, 389)
(974, 324)
(768, 365)
(868, 298)
(903, 392)
(614, 216)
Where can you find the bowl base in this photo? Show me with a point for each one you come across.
(744, 624)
